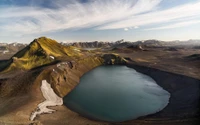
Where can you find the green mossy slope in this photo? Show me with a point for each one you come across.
(42, 51)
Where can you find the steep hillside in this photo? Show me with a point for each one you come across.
(41, 51)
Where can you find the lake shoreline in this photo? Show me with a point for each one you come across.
(118, 91)
(182, 88)
(165, 117)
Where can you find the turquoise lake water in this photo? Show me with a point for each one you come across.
(115, 94)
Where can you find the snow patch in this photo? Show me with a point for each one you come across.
(51, 100)
(77, 50)
(58, 65)
(61, 64)
(5, 51)
(55, 71)
(52, 57)
(64, 63)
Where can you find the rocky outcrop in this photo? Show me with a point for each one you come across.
(66, 75)
(111, 59)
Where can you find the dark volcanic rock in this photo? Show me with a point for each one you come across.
(136, 47)
(196, 47)
(193, 57)
(171, 49)
(111, 59)
(185, 92)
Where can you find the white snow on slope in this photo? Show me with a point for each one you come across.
(51, 100)
(52, 57)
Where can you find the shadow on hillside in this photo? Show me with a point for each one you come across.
(4, 64)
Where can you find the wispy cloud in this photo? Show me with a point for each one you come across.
(176, 25)
(130, 28)
(29, 20)
(102, 14)
(156, 17)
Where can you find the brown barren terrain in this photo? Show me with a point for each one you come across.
(177, 71)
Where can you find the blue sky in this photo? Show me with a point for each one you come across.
(103, 20)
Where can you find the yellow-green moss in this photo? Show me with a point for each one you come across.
(38, 54)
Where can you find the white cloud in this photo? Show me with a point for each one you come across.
(29, 20)
(156, 17)
(136, 27)
(130, 28)
(106, 14)
(176, 25)
(126, 29)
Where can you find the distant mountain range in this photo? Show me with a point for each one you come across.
(15, 47)
(158, 43)
(11, 48)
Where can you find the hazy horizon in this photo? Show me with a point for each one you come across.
(27, 42)
(99, 20)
